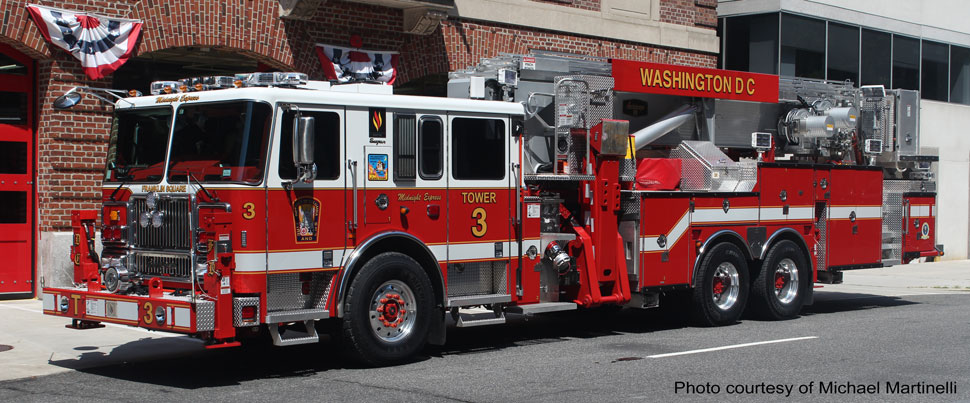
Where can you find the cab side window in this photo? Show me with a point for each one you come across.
(326, 149)
(430, 139)
(478, 148)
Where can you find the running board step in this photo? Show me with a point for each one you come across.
(468, 319)
(542, 307)
(296, 315)
(299, 338)
(471, 300)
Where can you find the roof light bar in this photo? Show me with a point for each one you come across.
(164, 87)
(272, 79)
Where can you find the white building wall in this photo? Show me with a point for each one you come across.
(945, 128)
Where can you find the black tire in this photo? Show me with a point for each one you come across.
(722, 268)
(376, 338)
(776, 296)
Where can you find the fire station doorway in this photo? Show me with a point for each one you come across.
(16, 173)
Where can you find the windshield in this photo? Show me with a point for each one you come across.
(136, 150)
(220, 142)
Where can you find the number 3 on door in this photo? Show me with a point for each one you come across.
(480, 227)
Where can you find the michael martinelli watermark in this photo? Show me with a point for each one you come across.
(816, 388)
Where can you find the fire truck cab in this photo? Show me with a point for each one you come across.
(268, 204)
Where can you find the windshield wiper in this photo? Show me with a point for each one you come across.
(190, 176)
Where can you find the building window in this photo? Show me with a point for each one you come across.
(905, 63)
(876, 58)
(960, 75)
(802, 47)
(752, 43)
(935, 70)
(478, 148)
(843, 56)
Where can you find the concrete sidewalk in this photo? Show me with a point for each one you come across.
(911, 279)
(42, 345)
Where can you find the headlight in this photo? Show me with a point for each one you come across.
(144, 219)
(151, 199)
(157, 219)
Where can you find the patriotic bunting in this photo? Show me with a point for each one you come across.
(353, 64)
(102, 44)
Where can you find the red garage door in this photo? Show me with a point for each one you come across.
(16, 173)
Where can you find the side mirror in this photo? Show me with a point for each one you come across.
(303, 135)
(67, 100)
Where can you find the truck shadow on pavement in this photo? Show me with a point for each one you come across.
(192, 367)
(833, 302)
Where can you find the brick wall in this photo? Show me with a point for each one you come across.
(702, 13)
(71, 144)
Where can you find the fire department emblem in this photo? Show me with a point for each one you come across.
(925, 231)
(306, 217)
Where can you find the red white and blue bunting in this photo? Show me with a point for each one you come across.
(102, 44)
(353, 64)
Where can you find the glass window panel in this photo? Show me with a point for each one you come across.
(13, 157)
(905, 63)
(220, 142)
(843, 56)
(960, 75)
(13, 108)
(802, 47)
(13, 207)
(431, 148)
(752, 43)
(876, 58)
(10, 66)
(478, 148)
(935, 65)
(326, 145)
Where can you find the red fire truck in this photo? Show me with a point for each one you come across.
(269, 204)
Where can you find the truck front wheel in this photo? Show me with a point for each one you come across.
(388, 309)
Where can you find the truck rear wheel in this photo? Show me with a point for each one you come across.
(779, 288)
(721, 286)
(388, 310)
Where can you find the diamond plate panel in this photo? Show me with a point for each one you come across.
(705, 167)
(477, 278)
(630, 206)
(892, 213)
(628, 169)
(237, 305)
(205, 316)
(576, 98)
(285, 291)
(823, 216)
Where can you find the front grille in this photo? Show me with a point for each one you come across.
(163, 265)
(175, 231)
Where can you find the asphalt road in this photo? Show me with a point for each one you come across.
(844, 341)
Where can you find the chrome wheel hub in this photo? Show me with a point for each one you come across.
(786, 281)
(392, 312)
(726, 286)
